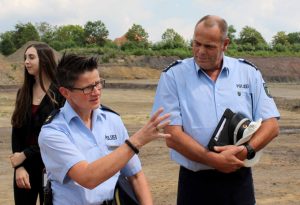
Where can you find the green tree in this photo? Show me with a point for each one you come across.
(294, 38)
(280, 38)
(68, 36)
(171, 39)
(6, 44)
(232, 38)
(231, 34)
(137, 34)
(250, 36)
(24, 33)
(46, 31)
(95, 33)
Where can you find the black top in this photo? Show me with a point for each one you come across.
(25, 138)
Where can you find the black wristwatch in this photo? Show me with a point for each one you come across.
(250, 151)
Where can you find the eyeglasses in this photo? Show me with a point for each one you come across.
(89, 89)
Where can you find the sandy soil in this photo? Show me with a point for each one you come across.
(277, 177)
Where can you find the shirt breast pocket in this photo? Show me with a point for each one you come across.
(243, 99)
(83, 143)
(112, 144)
(237, 99)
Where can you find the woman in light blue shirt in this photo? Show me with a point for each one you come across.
(85, 146)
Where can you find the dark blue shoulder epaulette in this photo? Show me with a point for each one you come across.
(105, 108)
(171, 65)
(248, 62)
(51, 116)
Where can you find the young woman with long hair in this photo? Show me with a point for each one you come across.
(36, 99)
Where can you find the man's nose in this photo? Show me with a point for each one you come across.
(201, 49)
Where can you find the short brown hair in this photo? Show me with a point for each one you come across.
(211, 20)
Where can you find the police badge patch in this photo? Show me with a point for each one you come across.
(267, 90)
(51, 116)
(171, 65)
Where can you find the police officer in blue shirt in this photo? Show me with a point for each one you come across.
(196, 91)
(85, 146)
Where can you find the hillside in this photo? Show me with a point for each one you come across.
(10, 73)
(278, 69)
(274, 69)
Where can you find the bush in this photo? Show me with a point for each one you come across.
(131, 45)
(7, 47)
(246, 47)
(280, 48)
(110, 54)
(110, 44)
(58, 45)
(181, 53)
(110, 50)
(262, 47)
(295, 47)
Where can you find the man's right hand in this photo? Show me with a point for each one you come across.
(227, 160)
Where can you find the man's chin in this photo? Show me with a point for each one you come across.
(201, 62)
(203, 65)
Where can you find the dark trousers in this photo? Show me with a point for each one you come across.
(211, 187)
(29, 196)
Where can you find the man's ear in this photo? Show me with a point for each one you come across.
(64, 92)
(226, 44)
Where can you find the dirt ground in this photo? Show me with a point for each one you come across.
(276, 177)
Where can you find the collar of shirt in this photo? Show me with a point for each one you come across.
(224, 70)
(70, 113)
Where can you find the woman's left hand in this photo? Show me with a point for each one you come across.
(22, 178)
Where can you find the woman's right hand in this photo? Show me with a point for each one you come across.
(22, 178)
(17, 158)
(152, 130)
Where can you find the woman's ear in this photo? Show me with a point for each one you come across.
(64, 92)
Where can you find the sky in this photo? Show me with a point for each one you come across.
(267, 16)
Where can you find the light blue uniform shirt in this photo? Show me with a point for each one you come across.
(66, 141)
(197, 103)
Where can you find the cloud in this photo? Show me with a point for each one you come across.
(178, 24)
(266, 16)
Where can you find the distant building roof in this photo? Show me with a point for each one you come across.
(121, 40)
